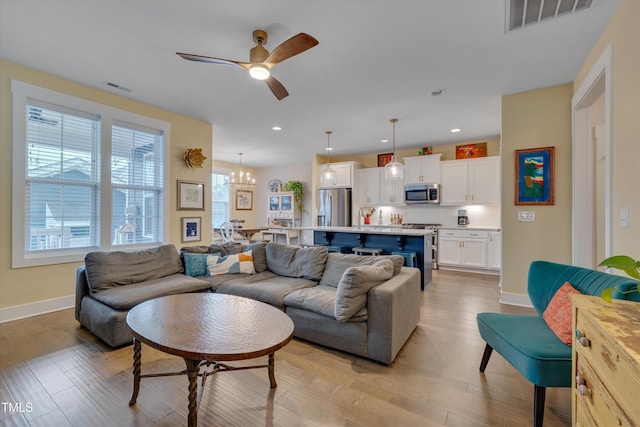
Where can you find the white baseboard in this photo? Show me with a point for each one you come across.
(16, 312)
(515, 299)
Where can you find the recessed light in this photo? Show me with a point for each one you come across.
(437, 92)
(455, 130)
(276, 128)
(329, 149)
(384, 140)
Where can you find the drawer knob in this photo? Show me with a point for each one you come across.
(584, 342)
(584, 390)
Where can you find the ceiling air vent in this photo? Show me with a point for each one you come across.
(524, 12)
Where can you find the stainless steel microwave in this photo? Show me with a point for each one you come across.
(422, 193)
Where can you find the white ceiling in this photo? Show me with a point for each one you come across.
(376, 60)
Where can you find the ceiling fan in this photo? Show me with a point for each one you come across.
(261, 61)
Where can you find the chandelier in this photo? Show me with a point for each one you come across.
(243, 182)
(394, 169)
(328, 176)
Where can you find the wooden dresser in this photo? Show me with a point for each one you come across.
(606, 362)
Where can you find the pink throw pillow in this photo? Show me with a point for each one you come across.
(558, 313)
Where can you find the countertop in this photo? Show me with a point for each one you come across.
(370, 230)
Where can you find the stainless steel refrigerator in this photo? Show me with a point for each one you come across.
(334, 207)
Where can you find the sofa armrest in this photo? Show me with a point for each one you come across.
(82, 289)
(394, 312)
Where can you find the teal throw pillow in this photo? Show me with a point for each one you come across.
(195, 264)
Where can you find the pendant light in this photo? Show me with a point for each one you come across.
(328, 176)
(394, 169)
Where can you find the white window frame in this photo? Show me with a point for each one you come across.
(227, 173)
(23, 93)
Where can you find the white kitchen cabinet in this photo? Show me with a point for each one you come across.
(374, 189)
(470, 181)
(368, 186)
(391, 191)
(494, 250)
(344, 175)
(422, 169)
(464, 248)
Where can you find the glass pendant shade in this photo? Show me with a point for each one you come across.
(394, 169)
(329, 175)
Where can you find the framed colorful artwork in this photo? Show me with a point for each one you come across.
(535, 174)
(383, 159)
(470, 151)
(190, 196)
(191, 229)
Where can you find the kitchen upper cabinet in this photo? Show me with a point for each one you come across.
(470, 181)
(368, 186)
(464, 248)
(344, 175)
(422, 169)
(494, 250)
(374, 189)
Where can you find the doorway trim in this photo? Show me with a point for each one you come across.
(597, 82)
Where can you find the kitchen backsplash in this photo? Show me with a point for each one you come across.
(479, 215)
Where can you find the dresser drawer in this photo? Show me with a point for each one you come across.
(615, 367)
(594, 397)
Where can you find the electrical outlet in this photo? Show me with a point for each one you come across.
(526, 216)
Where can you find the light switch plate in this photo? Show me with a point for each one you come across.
(526, 216)
(624, 218)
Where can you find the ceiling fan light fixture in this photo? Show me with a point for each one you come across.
(394, 169)
(259, 72)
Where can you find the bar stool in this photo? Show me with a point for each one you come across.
(367, 251)
(410, 258)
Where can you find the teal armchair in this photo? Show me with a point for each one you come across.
(527, 343)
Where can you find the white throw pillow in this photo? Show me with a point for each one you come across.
(230, 264)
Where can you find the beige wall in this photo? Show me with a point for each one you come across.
(250, 216)
(539, 118)
(28, 285)
(623, 33)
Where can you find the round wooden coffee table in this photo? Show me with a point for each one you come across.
(206, 329)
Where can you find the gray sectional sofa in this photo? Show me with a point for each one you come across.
(363, 305)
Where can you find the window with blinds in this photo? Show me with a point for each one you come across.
(219, 199)
(62, 179)
(85, 177)
(136, 184)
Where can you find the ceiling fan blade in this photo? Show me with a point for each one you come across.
(211, 60)
(277, 88)
(295, 45)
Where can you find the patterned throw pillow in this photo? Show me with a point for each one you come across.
(239, 263)
(195, 264)
(558, 313)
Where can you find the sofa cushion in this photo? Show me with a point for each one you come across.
(106, 270)
(195, 264)
(229, 248)
(320, 299)
(291, 261)
(259, 251)
(125, 297)
(261, 287)
(337, 264)
(351, 295)
(239, 263)
(559, 312)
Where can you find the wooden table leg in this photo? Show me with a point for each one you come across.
(137, 353)
(272, 374)
(193, 367)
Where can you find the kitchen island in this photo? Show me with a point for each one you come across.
(389, 239)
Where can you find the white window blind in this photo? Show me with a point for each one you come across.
(219, 199)
(61, 187)
(136, 183)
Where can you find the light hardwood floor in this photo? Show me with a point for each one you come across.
(61, 375)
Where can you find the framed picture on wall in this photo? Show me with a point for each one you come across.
(244, 200)
(383, 159)
(191, 229)
(190, 196)
(535, 175)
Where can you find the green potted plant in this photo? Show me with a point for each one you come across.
(626, 264)
(298, 192)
